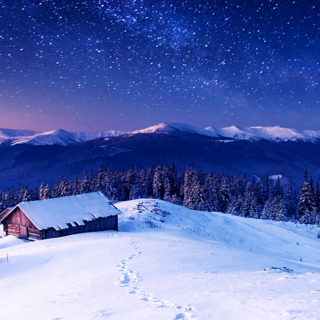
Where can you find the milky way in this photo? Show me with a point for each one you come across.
(100, 65)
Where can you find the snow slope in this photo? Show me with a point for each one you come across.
(167, 262)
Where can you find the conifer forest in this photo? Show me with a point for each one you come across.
(261, 198)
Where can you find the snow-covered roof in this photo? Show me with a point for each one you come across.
(58, 212)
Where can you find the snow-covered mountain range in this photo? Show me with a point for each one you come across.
(273, 134)
(61, 137)
(55, 137)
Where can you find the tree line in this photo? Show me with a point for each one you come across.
(198, 190)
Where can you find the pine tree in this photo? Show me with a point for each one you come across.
(267, 212)
(45, 192)
(9, 200)
(149, 181)
(306, 208)
(255, 208)
(290, 202)
(55, 190)
(224, 194)
(85, 184)
(35, 194)
(3, 202)
(20, 193)
(92, 182)
(248, 199)
(281, 213)
(191, 188)
(157, 184)
(63, 188)
(26, 195)
(101, 179)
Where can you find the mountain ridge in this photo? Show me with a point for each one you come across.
(62, 137)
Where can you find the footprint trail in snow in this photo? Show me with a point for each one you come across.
(129, 279)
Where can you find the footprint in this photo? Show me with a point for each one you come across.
(102, 314)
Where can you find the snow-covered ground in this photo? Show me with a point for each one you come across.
(167, 262)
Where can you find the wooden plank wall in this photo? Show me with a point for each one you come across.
(100, 224)
(18, 217)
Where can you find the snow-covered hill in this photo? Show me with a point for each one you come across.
(167, 262)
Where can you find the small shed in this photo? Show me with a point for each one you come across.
(60, 217)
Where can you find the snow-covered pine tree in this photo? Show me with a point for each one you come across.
(211, 191)
(85, 184)
(290, 202)
(188, 188)
(167, 182)
(224, 193)
(26, 195)
(317, 202)
(2, 201)
(9, 199)
(100, 179)
(255, 208)
(20, 193)
(35, 194)
(277, 190)
(149, 181)
(133, 183)
(306, 208)
(248, 199)
(92, 182)
(142, 187)
(44, 192)
(63, 190)
(157, 184)
(120, 193)
(55, 190)
(281, 212)
(264, 189)
(267, 212)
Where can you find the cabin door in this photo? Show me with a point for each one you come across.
(23, 232)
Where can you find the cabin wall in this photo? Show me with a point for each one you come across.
(16, 219)
(99, 224)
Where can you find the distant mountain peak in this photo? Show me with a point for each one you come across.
(173, 126)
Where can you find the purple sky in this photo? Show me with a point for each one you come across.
(94, 66)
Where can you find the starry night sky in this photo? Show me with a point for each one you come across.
(100, 65)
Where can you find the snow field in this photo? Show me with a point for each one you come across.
(167, 262)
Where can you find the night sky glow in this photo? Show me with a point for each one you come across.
(99, 65)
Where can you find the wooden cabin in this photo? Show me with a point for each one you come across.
(60, 217)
